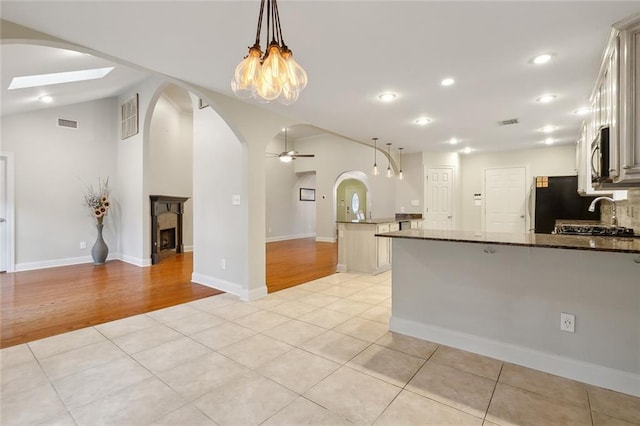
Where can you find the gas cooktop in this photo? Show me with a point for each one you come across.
(594, 230)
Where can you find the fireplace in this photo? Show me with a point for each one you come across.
(167, 239)
(166, 226)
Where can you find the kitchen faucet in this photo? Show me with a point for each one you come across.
(614, 219)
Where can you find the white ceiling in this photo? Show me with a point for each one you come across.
(354, 50)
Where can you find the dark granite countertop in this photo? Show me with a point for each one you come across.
(571, 242)
(370, 221)
(380, 220)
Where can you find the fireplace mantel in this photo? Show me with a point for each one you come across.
(165, 204)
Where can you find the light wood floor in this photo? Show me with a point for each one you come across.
(47, 302)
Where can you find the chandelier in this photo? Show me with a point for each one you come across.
(276, 75)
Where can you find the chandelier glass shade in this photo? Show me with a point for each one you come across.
(400, 173)
(276, 75)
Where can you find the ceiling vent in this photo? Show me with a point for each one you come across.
(72, 124)
(508, 122)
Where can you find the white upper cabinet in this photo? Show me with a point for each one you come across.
(629, 101)
(615, 104)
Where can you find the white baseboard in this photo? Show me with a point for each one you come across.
(341, 267)
(325, 240)
(609, 378)
(289, 237)
(54, 263)
(137, 261)
(229, 287)
(187, 249)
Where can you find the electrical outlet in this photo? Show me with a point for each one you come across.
(223, 264)
(83, 244)
(567, 322)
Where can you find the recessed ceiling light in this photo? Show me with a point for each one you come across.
(467, 150)
(582, 111)
(57, 78)
(423, 121)
(548, 141)
(46, 99)
(545, 99)
(542, 59)
(453, 141)
(548, 129)
(447, 81)
(387, 96)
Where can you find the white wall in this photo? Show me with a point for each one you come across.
(411, 188)
(305, 220)
(547, 161)
(333, 156)
(220, 228)
(171, 158)
(280, 212)
(53, 168)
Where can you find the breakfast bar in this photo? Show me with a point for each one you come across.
(502, 295)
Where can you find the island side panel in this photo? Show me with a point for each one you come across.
(507, 304)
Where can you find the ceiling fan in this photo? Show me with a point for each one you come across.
(286, 156)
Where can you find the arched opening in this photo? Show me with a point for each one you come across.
(349, 187)
(293, 255)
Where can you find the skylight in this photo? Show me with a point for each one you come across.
(57, 78)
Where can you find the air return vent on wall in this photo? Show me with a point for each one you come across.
(72, 124)
(508, 122)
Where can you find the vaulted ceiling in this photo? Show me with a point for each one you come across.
(353, 51)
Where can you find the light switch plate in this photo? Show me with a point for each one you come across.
(235, 200)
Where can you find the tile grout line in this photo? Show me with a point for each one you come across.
(589, 405)
(55, 389)
(404, 387)
(486, 413)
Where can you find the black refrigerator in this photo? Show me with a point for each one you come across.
(556, 197)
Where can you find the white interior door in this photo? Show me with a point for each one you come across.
(439, 196)
(4, 243)
(505, 200)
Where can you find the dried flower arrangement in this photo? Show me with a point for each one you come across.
(98, 201)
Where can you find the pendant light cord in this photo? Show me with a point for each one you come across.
(259, 30)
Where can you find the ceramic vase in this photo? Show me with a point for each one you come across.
(99, 251)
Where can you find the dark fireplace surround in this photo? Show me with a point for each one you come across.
(166, 226)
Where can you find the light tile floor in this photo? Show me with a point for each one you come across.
(316, 354)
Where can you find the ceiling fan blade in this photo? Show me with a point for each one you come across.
(304, 155)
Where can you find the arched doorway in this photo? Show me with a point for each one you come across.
(351, 196)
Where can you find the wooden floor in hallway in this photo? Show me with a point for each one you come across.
(46, 302)
(293, 262)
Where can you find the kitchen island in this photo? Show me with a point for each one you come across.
(501, 295)
(359, 250)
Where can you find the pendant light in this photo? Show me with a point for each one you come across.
(276, 75)
(400, 174)
(389, 171)
(375, 164)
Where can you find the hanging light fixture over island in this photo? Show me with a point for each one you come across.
(276, 75)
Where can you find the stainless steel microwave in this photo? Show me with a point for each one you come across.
(600, 156)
